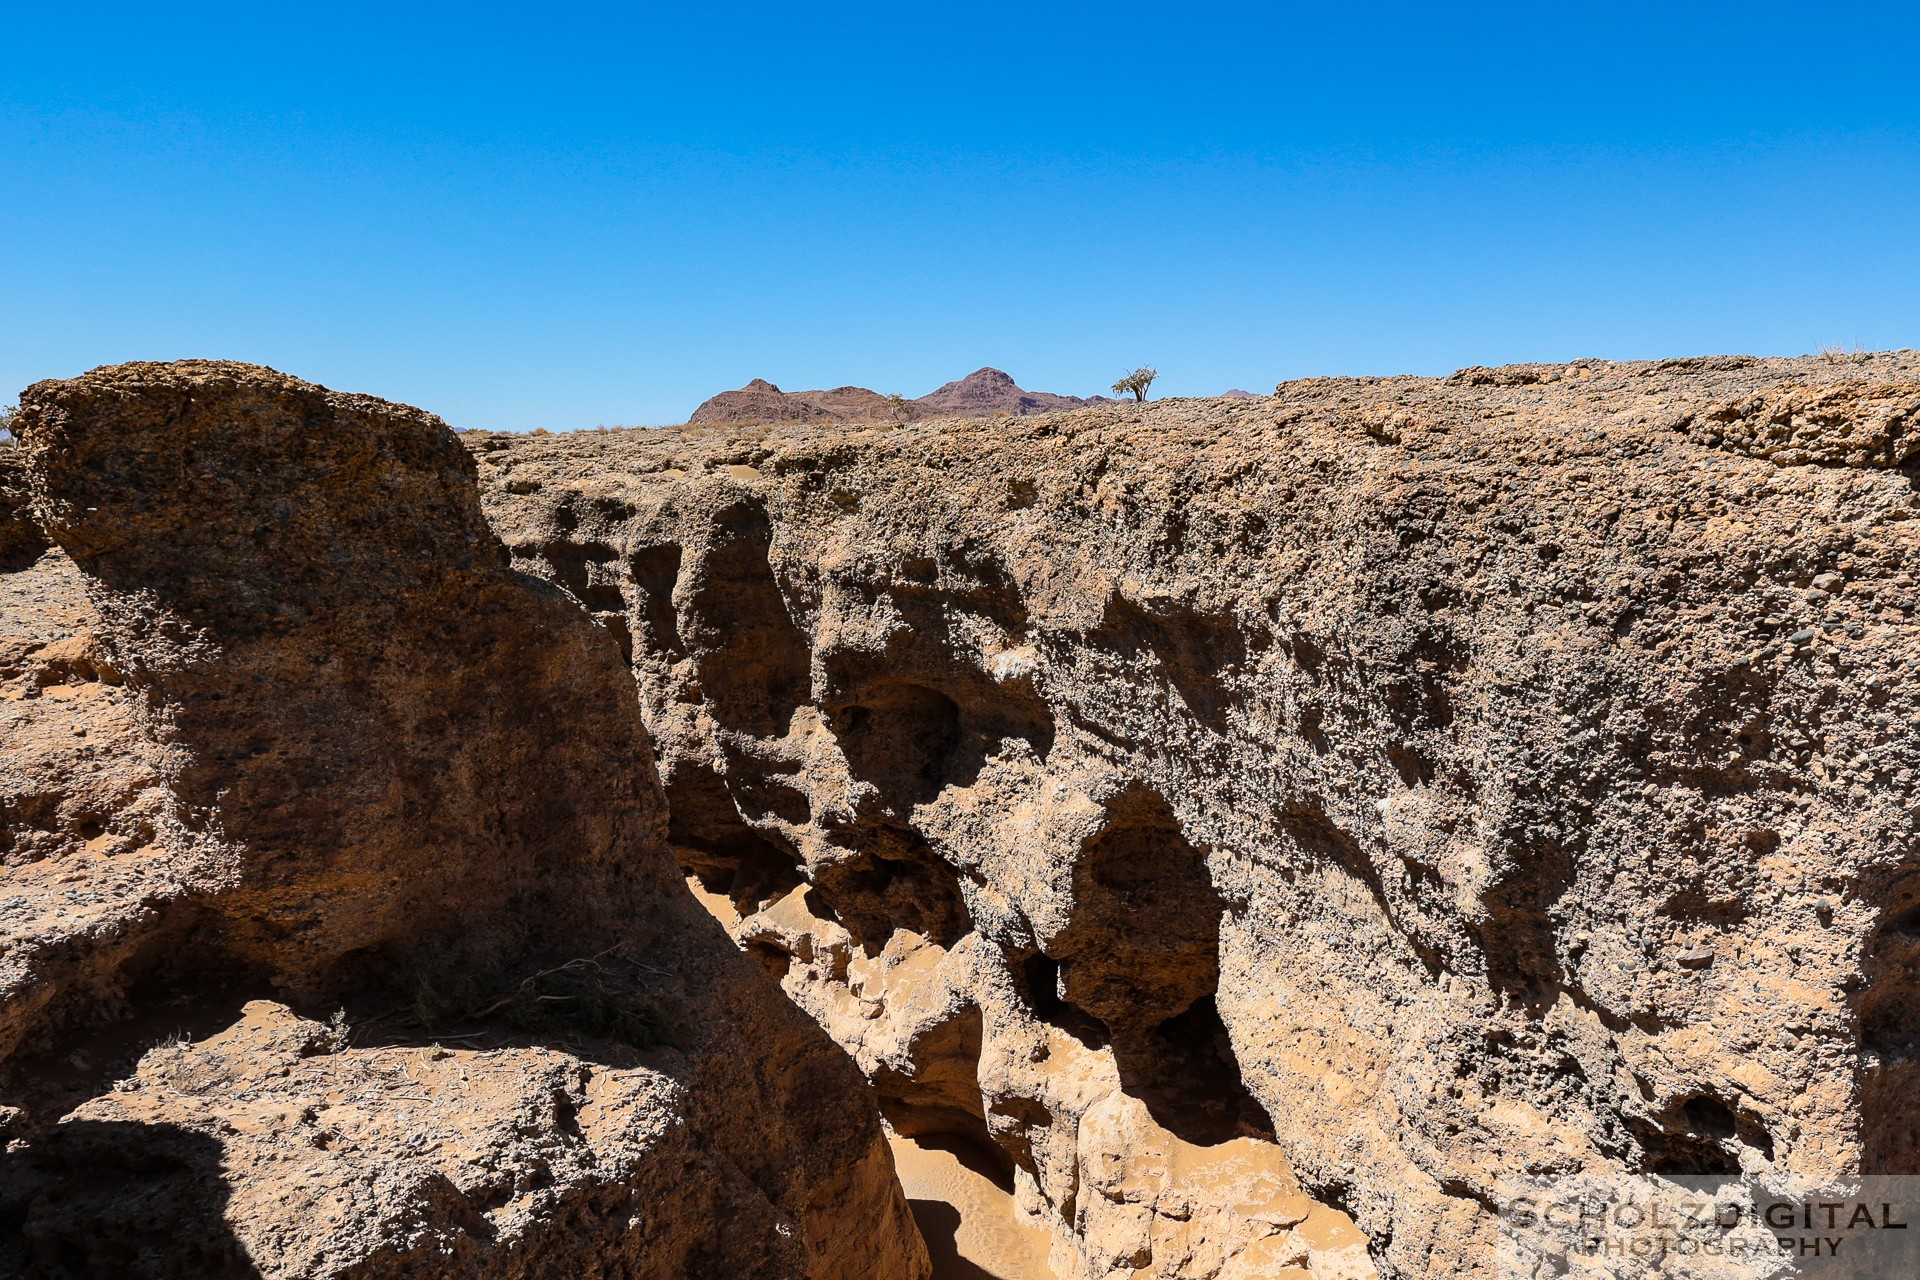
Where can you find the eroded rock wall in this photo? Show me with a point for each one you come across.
(1412, 784)
(282, 723)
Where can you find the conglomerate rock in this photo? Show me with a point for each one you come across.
(280, 720)
(1420, 783)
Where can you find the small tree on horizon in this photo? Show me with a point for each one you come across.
(1137, 382)
(897, 406)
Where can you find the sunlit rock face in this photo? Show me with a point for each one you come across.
(1388, 788)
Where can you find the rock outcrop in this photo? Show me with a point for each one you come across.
(982, 393)
(1405, 784)
(284, 731)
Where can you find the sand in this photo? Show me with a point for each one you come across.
(972, 1229)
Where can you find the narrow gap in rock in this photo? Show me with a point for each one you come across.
(655, 570)
(754, 661)
(714, 843)
(1141, 957)
(1188, 1076)
(1040, 976)
(896, 881)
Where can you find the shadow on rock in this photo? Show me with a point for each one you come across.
(118, 1199)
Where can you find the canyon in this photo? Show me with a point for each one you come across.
(1251, 834)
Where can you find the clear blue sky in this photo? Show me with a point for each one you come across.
(566, 215)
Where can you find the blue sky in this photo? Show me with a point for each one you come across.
(570, 215)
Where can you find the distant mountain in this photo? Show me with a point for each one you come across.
(761, 401)
(988, 391)
(980, 394)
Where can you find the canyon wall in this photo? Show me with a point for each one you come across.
(339, 934)
(1389, 788)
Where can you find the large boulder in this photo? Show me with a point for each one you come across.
(353, 761)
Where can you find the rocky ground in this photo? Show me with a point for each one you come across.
(1385, 789)
(339, 934)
